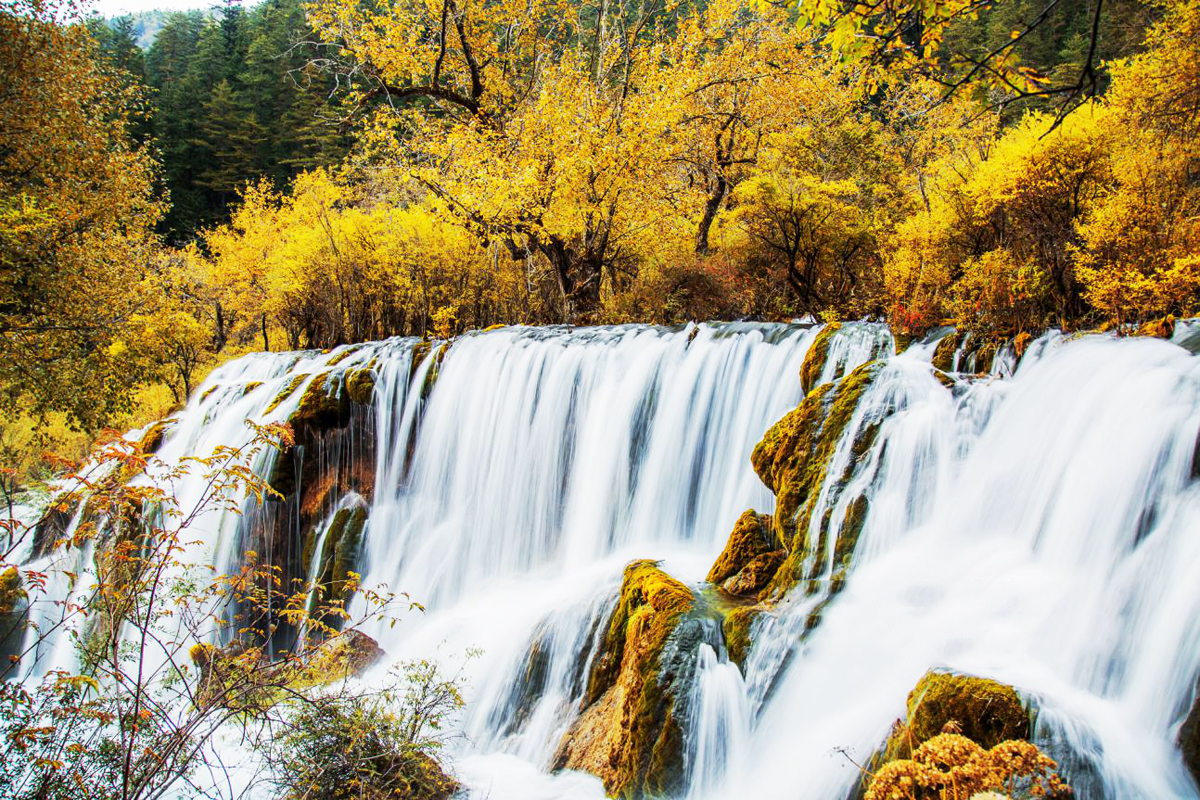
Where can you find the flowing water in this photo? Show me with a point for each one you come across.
(1037, 526)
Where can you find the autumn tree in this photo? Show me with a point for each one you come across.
(76, 214)
(527, 121)
(1140, 255)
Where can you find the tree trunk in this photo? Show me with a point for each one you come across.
(711, 207)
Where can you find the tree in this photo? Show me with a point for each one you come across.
(1140, 254)
(526, 125)
(76, 219)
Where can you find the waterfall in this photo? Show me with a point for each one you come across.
(1032, 524)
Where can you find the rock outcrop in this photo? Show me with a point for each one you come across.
(629, 733)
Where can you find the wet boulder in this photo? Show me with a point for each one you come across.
(751, 542)
(985, 711)
(794, 460)
(629, 733)
(816, 357)
(736, 628)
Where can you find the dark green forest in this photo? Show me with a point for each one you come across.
(230, 99)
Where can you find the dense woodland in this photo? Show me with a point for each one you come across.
(287, 176)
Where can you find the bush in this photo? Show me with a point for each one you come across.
(367, 746)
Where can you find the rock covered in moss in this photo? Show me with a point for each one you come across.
(152, 440)
(360, 386)
(756, 575)
(793, 460)
(736, 628)
(323, 406)
(751, 537)
(629, 733)
(347, 655)
(340, 551)
(815, 358)
(985, 711)
(287, 391)
(943, 354)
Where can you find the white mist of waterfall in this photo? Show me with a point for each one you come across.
(719, 727)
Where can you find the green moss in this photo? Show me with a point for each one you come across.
(943, 354)
(340, 552)
(360, 386)
(649, 597)
(983, 710)
(815, 358)
(793, 461)
(750, 538)
(736, 627)
(287, 392)
(323, 405)
(342, 356)
(208, 393)
(250, 387)
(647, 759)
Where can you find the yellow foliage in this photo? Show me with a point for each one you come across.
(1138, 259)
(952, 767)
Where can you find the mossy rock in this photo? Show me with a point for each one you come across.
(152, 440)
(339, 553)
(751, 537)
(793, 460)
(629, 733)
(985, 711)
(250, 387)
(736, 627)
(342, 356)
(287, 391)
(347, 655)
(208, 393)
(360, 386)
(756, 575)
(815, 358)
(323, 406)
(943, 354)
(1162, 328)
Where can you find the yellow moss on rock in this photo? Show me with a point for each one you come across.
(793, 461)
(815, 358)
(152, 440)
(736, 628)
(360, 386)
(985, 711)
(750, 538)
(628, 734)
(286, 392)
(943, 354)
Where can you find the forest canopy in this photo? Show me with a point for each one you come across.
(296, 175)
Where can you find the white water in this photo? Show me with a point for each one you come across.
(1037, 529)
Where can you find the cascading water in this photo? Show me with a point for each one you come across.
(1035, 529)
